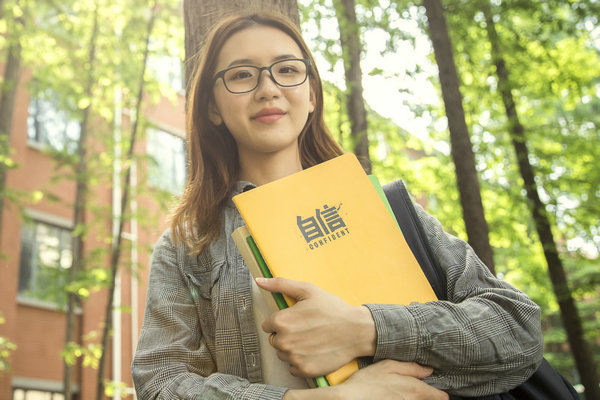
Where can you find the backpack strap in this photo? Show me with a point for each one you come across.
(414, 234)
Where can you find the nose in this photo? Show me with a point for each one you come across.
(266, 87)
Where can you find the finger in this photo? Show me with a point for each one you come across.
(284, 356)
(267, 325)
(272, 324)
(406, 368)
(295, 371)
(421, 390)
(295, 289)
(429, 392)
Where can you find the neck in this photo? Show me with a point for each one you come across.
(264, 168)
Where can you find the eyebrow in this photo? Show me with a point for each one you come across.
(246, 61)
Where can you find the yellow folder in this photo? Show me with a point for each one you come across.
(327, 225)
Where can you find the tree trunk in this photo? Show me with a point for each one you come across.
(117, 241)
(460, 141)
(200, 15)
(569, 314)
(79, 210)
(7, 106)
(355, 104)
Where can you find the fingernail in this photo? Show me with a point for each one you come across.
(261, 280)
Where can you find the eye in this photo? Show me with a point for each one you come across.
(238, 74)
(287, 69)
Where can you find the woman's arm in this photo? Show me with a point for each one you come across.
(173, 360)
(485, 339)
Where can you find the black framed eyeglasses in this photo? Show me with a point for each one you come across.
(245, 78)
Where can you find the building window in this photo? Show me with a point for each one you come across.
(40, 389)
(48, 126)
(28, 394)
(45, 261)
(166, 169)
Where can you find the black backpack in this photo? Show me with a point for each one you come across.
(546, 383)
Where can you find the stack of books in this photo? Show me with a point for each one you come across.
(329, 225)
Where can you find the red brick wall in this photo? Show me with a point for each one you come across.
(39, 333)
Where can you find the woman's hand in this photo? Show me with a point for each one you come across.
(321, 332)
(389, 379)
(385, 380)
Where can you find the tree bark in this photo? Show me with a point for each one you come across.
(580, 348)
(200, 15)
(7, 107)
(117, 242)
(460, 141)
(79, 209)
(351, 51)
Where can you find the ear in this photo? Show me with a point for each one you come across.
(214, 115)
(312, 101)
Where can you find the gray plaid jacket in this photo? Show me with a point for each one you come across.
(199, 340)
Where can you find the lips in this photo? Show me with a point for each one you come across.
(268, 115)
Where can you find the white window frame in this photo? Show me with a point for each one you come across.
(176, 134)
(42, 143)
(42, 385)
(50, 219)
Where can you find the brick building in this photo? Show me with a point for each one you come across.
(36, 248)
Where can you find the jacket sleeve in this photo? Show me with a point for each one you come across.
(485, 339)
(172, 360)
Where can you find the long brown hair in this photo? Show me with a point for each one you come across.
(213, 164)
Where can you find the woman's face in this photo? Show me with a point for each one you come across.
(268, 119)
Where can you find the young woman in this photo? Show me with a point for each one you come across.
(255, 114)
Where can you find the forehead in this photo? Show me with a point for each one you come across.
(257, 45)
